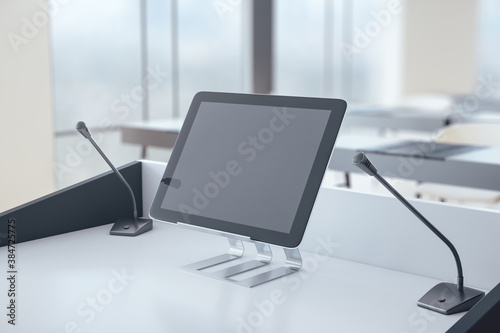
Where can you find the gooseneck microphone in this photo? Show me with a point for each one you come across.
(361, 161)
(444, 298)
(122, 227)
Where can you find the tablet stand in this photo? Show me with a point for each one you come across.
(263, 257)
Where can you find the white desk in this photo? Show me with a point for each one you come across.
(59, 277)
(478, 168)
(69, 282)
(482, 116)
(397, 118)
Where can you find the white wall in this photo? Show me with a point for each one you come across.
(439, 46)
(26, 130)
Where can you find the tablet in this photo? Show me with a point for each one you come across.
(249, 165)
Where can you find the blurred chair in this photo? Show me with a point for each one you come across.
(474, 134)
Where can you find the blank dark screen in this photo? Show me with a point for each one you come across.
(247, 164)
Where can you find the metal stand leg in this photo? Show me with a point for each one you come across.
(347, 180)
(235, 251)
(263, 257)
(293, 263)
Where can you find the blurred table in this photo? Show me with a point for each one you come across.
(156, 133)
(404, 118)
(476, 168)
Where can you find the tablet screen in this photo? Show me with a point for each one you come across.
(243, 165)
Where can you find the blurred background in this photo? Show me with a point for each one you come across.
(115, 62)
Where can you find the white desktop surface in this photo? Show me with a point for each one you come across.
(396, 117)
(380, 261)
(59, 275)
(356, 142)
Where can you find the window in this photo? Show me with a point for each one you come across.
(99, 78)
(95, 63)
(202, 45)
(488, 50)
(337, 48)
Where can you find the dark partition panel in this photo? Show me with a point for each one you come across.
(483, 317)
(96, 201)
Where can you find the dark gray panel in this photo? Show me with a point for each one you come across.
(262, 43)
(97, 201)
(483, 317)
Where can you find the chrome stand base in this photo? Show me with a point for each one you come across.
(264, 256)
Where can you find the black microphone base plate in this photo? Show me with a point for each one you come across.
(131, 227)
(445, 298)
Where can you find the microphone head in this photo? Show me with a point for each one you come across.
(80, 125)
(82, 128)
(361, 161)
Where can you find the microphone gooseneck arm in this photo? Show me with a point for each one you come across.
(460, 278)
(82, 128)
(361, 161)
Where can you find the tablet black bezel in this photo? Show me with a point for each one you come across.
(294, 237)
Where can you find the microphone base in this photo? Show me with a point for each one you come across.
(131, 227)
(445, 298)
